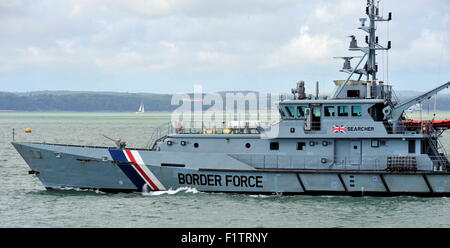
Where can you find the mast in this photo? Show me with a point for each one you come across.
(371, 67)
(372, 11)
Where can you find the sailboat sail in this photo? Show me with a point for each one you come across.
(141, 108)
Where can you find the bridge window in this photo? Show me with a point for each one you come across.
(301, 111)
(290, 110)
(356, 110)
(317, 111)
(329, 111)
(274, 146)
(301, 146)
(342, 110)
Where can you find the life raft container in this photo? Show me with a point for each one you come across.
(436, 123)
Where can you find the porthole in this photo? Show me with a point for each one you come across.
(196, 145)
(183, 143)
(248, 145)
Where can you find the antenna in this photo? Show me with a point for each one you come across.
(370, 68)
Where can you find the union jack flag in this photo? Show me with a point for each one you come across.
(339, 129)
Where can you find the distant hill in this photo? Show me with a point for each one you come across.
(85, 101)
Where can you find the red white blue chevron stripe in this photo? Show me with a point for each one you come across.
(135, 169)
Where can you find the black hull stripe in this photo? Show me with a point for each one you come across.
(385, 184)
(428, 183)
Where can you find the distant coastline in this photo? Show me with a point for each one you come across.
(77, 101)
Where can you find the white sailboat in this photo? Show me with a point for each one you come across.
(141, 109)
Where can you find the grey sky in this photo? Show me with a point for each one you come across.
(167, 46)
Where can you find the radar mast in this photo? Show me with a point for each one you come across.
(371, 67)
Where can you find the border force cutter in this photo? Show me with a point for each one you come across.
(357, 141)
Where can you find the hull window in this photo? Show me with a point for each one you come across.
(301, 146)
(274, 146)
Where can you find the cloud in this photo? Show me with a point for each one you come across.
(166, 56)
(430, 49)
(61, 53)
(216, 58)
(331, 11)
(305, 48)
(195, 37)
(188, 8)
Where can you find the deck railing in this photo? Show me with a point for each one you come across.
(195, 127)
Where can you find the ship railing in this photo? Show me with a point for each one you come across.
(228, 127)
(422, 128)
(196, 127)
(158, 134)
